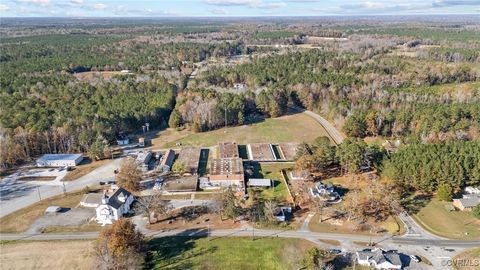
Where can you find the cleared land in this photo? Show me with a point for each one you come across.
(435, 218)
(46, 255)
(99, 74)
(225, 253)
(20, 220)
(471, 257)
(291, 128)
(85, 167)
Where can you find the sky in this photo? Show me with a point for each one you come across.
(225, 8)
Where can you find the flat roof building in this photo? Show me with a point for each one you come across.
(182, 184)
(259, 182)
(226, 172)
(167, 161)
(59, 160)
(190, 156)
(228, 150)
(261, 152)
(143, 158)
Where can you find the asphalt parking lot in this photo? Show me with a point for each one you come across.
(65, 218)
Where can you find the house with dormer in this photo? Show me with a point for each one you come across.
(115, 204)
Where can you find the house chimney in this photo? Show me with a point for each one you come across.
(105, 197)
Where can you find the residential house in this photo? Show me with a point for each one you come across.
(326, 193)
(468, 202)
(123, 140)
(114, 206)
(379, 259)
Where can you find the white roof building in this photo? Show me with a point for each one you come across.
(59, 160)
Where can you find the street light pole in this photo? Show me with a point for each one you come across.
(39, 196)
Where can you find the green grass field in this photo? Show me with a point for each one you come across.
(290, 128)
(225, 253)
(450, 224)
(273, 171)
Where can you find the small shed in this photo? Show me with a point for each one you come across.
(260, 182)
(53, 209)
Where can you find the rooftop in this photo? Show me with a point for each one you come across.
(191, 157)
(261, 152)
(60, 157)
(228, 150)
(188, 183)
(226, 166)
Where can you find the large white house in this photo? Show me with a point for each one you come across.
(379, 259)
(59, 160)
(114, 207)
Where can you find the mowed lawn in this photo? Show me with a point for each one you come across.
(273, 171)
(450, 224)
(47, 255)
(289, 128)
(226, 253)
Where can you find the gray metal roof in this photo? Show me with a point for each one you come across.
(259, 182)
(48, 157)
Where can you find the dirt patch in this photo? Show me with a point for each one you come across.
(99, 74)
(176, 221)
(47, 255)
(37, 178)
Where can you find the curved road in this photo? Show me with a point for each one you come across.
(332, 132)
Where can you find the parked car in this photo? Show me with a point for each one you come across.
(69, 168)
(334, 251)
(415, 258)
(101, 183)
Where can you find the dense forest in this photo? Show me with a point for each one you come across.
(389, 81)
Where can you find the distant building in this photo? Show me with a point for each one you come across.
(225, 172)
(123, 140)
(261, 152)
(239, 86)
(228, 150)
(326, 193)
(379, 259)
(59, 160)
(113, 206)
(167, 161)
(468, 202)
(143, 159)
(190, 156)
(181, 184)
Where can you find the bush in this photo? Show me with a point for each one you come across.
(445, 192)
(476, 211)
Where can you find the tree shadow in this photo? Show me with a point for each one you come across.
(176, 252)
(413, 204)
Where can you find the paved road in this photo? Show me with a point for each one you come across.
(333, 132)
(31, 189)
(414, 230)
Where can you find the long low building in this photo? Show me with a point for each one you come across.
(225, 172)
(59, 160)
(190, 156)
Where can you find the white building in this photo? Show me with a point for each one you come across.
(59, 160)
(114, 207)
(167, 161)
(379, 259)
(123, 140)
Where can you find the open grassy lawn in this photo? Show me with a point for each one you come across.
(46, 255)
(20, 220)
(273, 171)
(225, 253)
(471, 257)
(289, 128)
(450, 224)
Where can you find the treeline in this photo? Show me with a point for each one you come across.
(423, 167)
(66, 117)
(204, 109)
(383, 96)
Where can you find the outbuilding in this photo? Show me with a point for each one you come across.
(59, 160)
(260, 182)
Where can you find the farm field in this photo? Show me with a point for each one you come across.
(289, 128)
(225, 253)
(435, 218)
(46, 255)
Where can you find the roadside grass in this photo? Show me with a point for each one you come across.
(435, 218)
(469, 255)
(225, 253)
(85, 167)
(290, 128)
(91, 226)
(71, 254)
(330, 242)
(20, 220)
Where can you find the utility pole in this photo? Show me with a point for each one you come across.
(64, 188)
(39, 196)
